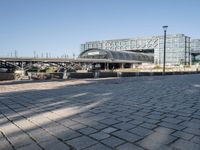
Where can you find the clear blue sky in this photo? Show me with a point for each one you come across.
(60, 26)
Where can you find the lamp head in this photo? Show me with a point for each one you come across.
(165, 28)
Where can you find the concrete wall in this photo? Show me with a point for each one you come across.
(7, 76)
(80, 75)
(107, 74)
(77, 75)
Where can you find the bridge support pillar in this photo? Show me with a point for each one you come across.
(132, 66)
(65, 74)
(106, 66)
(122, 66)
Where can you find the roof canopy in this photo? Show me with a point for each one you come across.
(115, 55)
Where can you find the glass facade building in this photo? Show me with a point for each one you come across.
(178, 47)
(195, 45)
(195, 50)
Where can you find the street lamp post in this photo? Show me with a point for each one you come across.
(164, 58)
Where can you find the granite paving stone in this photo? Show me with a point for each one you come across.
(99, 135)
(30, 147)
(196, 139)
(54, 145)
(152, 121)
(109, 121)
(124, 126)
(4, 144)
(185, 145)
(191, 124)
(153, 112)
(141, 131)
(148, 125)
(77, 126)
(129, 146)
(192, 131)
(127, 136)
(69, 134)
(136, 122)
(109, 130)
(68, 122)
(172, 120)
(171, 126)
(97, 125)
(159, 138)
(81, 142)
(124, 119)
(40, 135)
(152, 145)
(1, 135)
(20, 140)
(98, 147)
(112, 141)
(183, 135)
(163, 130)
(87, 130)
(154, 116)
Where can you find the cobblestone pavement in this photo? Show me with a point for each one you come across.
(123, 114)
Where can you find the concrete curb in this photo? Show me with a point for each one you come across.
(98, 74)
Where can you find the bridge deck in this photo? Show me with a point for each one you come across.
(65, 60)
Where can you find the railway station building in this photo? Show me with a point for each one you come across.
(180, 49)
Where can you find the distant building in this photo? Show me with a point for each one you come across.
(178, 47)
(195, 50)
